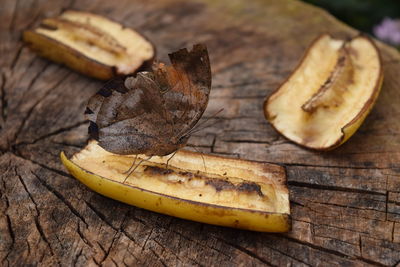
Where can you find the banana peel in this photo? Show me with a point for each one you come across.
(199, 187)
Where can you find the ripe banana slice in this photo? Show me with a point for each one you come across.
(199, 187)
(90, 44)
(330, 93)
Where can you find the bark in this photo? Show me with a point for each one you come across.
(345, 203)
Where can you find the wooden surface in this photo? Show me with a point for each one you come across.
(345, 203)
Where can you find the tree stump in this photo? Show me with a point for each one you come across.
(345, 203)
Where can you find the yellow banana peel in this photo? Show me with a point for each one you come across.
(199, 187)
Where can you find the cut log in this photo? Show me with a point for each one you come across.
(345, 203)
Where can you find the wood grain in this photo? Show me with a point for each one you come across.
(345, 203)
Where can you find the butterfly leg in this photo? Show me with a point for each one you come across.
(170, 158)
(133, 164)
(140, 162)
(201, 154)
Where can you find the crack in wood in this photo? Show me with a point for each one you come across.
(78, 255)
(101, 246)
(169, 250)
(330, 166)
(9, 224)
(371, 152)
(158, 257)
(33, 21)
(70, 5)
(327, 225)
(394, 202)
(13, 17)
(132, 216)
(253, 97)
(30, 111)
(231, 155)
(36, 217)
(394, 225)
(247, 252)
(213, 143)
(386, 202)
(28, 67)
(115, 263)
(138, 261)
(122, 228)
(29, 247)
(331, 251)
(205, 117)
(34, 79)
(233, 85)
(287, 255)
(334, 188)
(96, 262)
(119, 231)
(330, 238)
(115, 237)
(12, 235)
(16, 57)
(272, 248)
(200, 244)
(59, 172)
(67, 144)
(147, 239)
(249, 141)
(61, 198)
(350, 207)
(196, 146)
(4, 102)
(82, 236)
(313, 234)
(100, 215)
(61, 130)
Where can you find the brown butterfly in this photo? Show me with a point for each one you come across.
(152, 113)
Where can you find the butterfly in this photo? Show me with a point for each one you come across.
(155, 112)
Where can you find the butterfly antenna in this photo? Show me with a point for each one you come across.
(197, 128)
(201, 154)
(194, 129)
(205, 126)
(140, 162)
(209, 118)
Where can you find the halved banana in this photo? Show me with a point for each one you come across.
(198, 187)
(330, 93)
(90, 44)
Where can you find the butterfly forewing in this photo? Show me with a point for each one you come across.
(153, 112)
(189, 80)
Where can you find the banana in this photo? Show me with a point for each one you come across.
(199, 187)
(328, 96)
(90, 44)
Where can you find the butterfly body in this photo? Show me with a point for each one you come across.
(154, 112)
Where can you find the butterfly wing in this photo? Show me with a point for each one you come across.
(150, 113)
(186, 86)
(128, 119)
